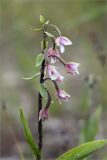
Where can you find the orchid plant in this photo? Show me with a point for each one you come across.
(48, 71)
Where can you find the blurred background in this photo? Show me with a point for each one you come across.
(84, 117)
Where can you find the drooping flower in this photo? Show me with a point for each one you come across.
(54, 74)
(61, 42)
(43, 114)
(62, 95)
(52, 54)
(72, 67)
(60, 78)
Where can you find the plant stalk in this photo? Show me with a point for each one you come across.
(40, 136)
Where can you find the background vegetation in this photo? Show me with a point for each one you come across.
(84, 117)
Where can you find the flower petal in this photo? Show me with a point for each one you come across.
(54, 74)
(43, 114)
(52, 54)
(57, 41)
(53, 59)
(62, 48)
(60, 78)
(72, 67)
(61, 94)
(65, 41)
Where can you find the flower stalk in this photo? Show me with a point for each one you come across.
(40, 97)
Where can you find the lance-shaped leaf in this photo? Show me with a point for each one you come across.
(47, 22)
(28, 135)
(42, 20)
(42, 89)
(36, 29)
(49, 34)
(91, 127)
(82, 151)
(39, 60)
(32, 77)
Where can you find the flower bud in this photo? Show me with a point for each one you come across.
(72, 67)
(43, 114)
(62, 95)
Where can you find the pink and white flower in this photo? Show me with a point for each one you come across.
(60, 78)
(61, 42)
(54, 74)
(52, 54)
(72, 67)
(62, 95)
(43, 114)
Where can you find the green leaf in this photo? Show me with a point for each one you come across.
(82, 151)
(42, 20)
(36, 29)
(42, 89)
(49, 34)
(47, 22)
(46, 44)
(39, 60)
(41, 44)
(92, 126)
(28, 135)
(32, 77)
(52, 102)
